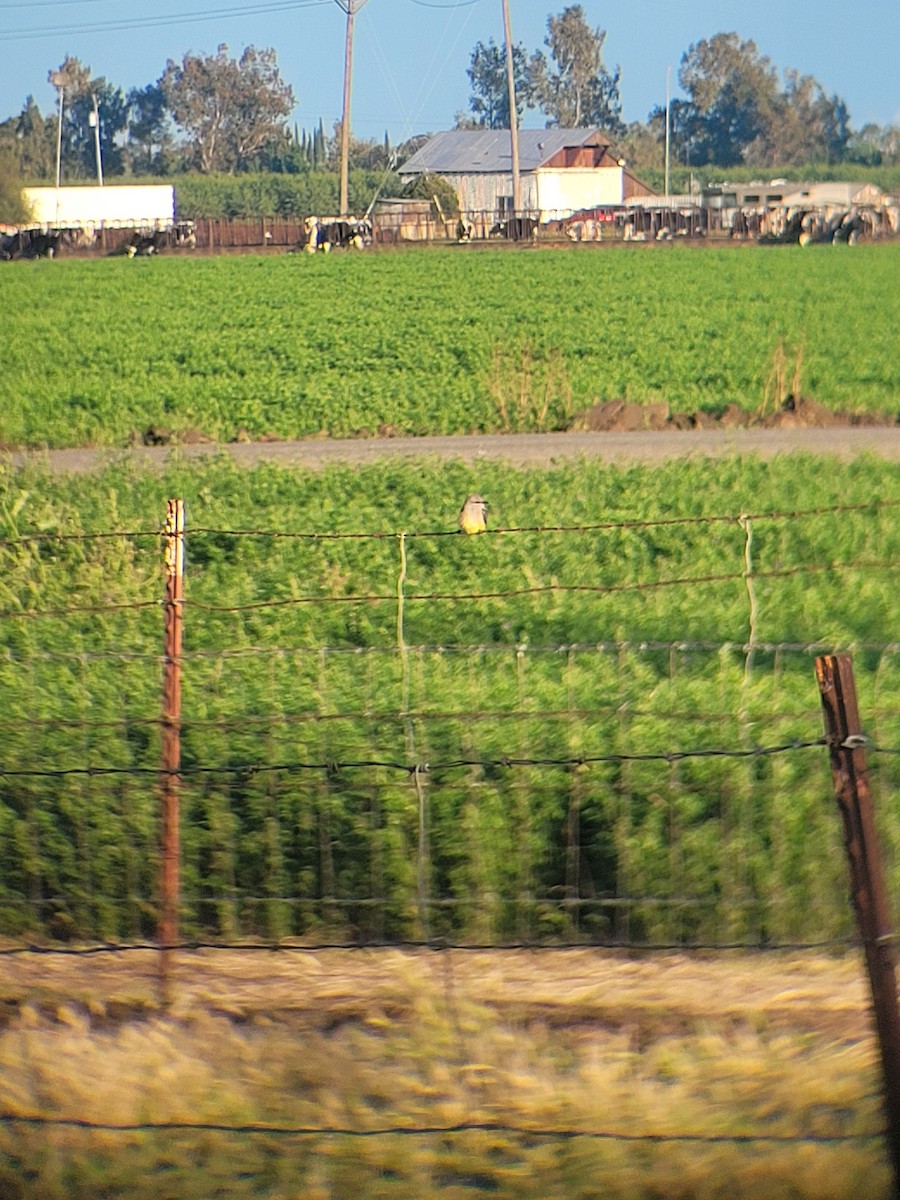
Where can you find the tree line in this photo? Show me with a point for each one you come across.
(737, 109)
(219, 114)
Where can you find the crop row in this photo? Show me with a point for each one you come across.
(433, 341)
(298, 651)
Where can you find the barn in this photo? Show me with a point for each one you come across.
(561, 171)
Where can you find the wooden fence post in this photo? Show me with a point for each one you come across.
(171, 744)
(834, 673)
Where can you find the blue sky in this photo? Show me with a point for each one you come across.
(410, 56)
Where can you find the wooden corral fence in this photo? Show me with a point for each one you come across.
(416, 222)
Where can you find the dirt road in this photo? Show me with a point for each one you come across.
(535, 450)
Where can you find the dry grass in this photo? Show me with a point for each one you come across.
(777, 389)
(583, 1040)
(526, 391)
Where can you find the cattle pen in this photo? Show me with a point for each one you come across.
(416, 224)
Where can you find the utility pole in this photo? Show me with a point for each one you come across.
(351, 8)
(94, 122)
(668, 76)
(513, 119)
(58, 79)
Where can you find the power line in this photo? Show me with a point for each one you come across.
(129, 23)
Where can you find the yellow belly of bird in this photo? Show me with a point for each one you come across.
(472, 524)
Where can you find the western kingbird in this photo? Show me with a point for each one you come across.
(473, 514)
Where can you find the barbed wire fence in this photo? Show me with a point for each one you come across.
(302, 819)
(374, 791)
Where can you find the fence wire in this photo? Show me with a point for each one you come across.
(454, 764)
(556, 1134)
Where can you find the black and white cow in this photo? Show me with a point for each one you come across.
(517, 229)
(143, 245)
(339, 234)
(28, 243)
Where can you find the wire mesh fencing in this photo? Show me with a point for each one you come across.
(451, 744)
(422, 737)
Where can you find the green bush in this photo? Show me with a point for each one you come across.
(267, 195)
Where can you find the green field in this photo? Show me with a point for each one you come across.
(339, 632)
(434, 341)
(537, 645)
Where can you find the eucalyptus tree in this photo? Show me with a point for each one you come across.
(489, 101)
(30, 139)
(227, 109)
(740, 111)
(732, 94)
(573, 87)
(151, 139)
(13, 209)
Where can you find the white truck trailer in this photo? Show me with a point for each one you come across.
(116, 206)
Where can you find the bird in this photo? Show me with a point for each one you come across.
(473, 514)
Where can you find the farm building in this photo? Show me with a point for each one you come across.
(826, 194)
(561, 170)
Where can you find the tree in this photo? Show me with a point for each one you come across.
(82, 96)
(737, 112)
(733, 91)
(874, 145)
(363, 154)
(642, 147)
(684, 130)
(111, 108)
(30, 139)
(803, 125)
(489, 101)
(229, 109)
(13, 210)
(443, 197)
(151, 144)
(575, 89)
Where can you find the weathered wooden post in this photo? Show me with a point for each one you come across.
(846, 743)
(171, 744)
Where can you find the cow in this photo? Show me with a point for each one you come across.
(338, 234)
(854, 225)
(143, 245)
(78, 238)
(585, 229)
(517, 229)
(186, 235)
(465, 231)
(29, 243)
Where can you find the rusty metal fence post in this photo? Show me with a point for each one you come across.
(171, 745)
(846, 742)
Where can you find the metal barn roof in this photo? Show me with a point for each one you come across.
(465, 151)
